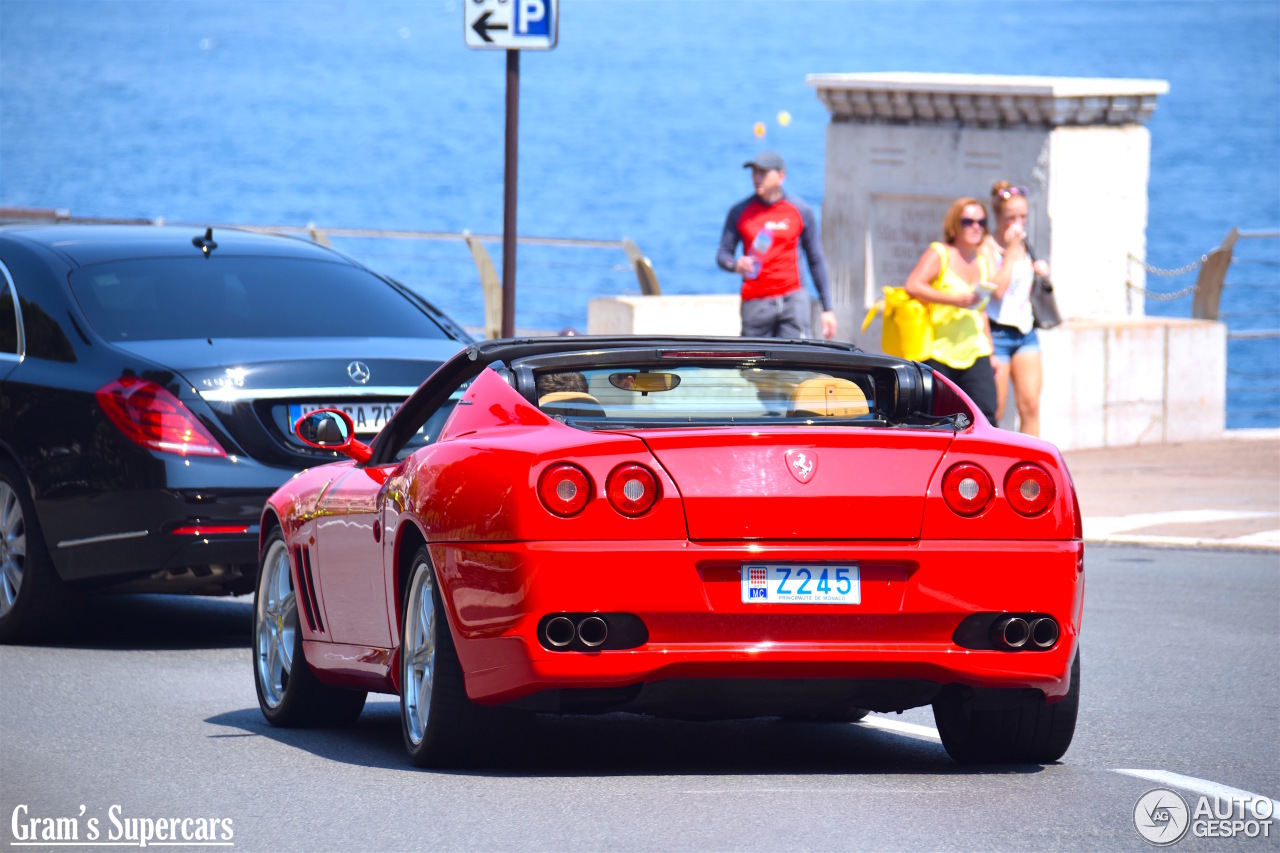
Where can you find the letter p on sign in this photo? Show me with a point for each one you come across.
(531, 17)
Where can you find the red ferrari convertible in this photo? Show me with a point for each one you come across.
(703, 528)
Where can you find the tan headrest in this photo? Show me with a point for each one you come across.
(828, 397)
(570, 403)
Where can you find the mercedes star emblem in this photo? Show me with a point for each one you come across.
(358, 371)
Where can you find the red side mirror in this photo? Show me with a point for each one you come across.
(330, 429)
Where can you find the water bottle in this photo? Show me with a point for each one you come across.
(759, 246)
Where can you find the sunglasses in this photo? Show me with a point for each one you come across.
(966, 222)
(1009, 192)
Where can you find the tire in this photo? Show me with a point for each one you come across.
(33, 599)
(436, 717)
(1033, 733)
(440, 726)
(289, 693)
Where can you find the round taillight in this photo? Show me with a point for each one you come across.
(967, 489)
(632, 489)
(1028, 488)
(564, 489)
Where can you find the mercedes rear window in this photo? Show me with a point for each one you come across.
(697, 394)
(243, 297)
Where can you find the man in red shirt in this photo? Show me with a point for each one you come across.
(772, 226)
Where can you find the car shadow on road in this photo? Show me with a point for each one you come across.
(140, 621)
(634, 745)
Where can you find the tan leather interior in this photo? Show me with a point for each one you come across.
(828, 397)
(571, 404)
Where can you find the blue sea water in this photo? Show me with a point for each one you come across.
(374, 114)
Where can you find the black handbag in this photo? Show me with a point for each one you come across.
(1044, 308)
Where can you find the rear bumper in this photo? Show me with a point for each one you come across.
(914, 595)
(129, 534)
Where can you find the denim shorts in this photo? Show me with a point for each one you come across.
(1008, 340)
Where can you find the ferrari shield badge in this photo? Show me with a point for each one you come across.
(802, 464)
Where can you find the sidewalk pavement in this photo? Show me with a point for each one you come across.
(1215, 494)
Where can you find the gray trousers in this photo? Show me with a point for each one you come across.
(784, 316)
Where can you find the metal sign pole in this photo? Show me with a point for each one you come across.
(504, 25)
(509, 197)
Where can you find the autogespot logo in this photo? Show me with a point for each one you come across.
(1161, 816)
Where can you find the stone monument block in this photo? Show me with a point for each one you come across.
(716, 315)
(902, 146)
(906, 145)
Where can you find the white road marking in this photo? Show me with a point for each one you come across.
(1106, 525)
(1199, 786)
(1266, 537)
(899, 727)
(1247, 543)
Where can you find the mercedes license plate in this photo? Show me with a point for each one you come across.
(798, 584)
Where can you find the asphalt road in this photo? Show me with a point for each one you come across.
(152, 710)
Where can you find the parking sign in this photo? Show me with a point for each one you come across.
(511, 24)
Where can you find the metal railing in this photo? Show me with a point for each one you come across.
(1251, 355)
(1213, 268)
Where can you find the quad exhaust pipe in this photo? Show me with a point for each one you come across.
(1044, 632)
(1014, 632)
(589, 631)
(560, 632)
(593, 631)
(1011, 632)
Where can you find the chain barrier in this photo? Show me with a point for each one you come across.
(1164, 273)
(1169, 273)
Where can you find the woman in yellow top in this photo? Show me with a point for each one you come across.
(952, 279)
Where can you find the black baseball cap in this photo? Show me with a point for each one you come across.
(766, 160)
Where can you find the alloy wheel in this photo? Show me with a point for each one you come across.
(275, 624)
(13, 547)
(419, 654)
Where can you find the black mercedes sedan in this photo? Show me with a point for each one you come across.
(149, 380)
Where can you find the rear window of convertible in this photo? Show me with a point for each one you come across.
(705, 395)
(243, 297)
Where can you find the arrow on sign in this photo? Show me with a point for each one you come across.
(482, 25)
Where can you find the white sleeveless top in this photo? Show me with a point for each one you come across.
(1015, 308)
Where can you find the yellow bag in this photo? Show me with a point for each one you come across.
(907, 329)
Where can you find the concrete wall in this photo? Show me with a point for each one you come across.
(1142, 380)
(715, 315)
(1097, 217)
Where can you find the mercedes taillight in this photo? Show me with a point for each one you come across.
(151, 416)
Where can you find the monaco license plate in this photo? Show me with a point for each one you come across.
(368, 417)
(797, 584)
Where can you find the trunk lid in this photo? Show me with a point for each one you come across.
(801, 483)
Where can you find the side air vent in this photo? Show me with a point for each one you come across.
(310, 607)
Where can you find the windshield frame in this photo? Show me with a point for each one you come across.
(890, 405)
